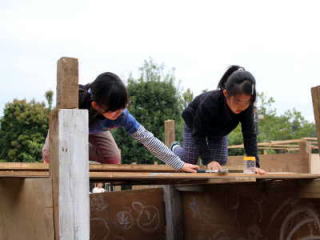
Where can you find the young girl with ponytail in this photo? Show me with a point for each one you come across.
(106, 99)
(211, 116)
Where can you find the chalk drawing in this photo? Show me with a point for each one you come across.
(98, 203)
(148, 218)
(297, 218)
(287, 203)
(125, 219)
(104, 230)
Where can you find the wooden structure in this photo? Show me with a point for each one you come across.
(39, 201)
(298, 158)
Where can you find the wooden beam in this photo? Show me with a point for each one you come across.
(169, 132)
(67, 84)
(70, 173)
(174, 214)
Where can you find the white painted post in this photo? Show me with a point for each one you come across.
(70, 174)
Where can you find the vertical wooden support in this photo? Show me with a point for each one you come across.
(174, 215)
(169, 132)
(315, 92)
(69, 165)
(67, 84)
(305, 150)
(172, 197)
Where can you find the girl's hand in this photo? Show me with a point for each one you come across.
(214, 166)
(187, 167)
(260, 171)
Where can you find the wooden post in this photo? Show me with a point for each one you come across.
(174, 216)
(305, 150)
(67, 84)
(169, 132)
(315, 92)
(172, 198)
(69, 165)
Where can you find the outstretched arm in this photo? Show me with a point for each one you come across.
(161, 151)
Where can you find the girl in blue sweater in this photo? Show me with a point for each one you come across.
(106, 99)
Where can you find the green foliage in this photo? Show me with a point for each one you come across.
(23, 130)
(290, 125)
(49, 97)
(153, 99)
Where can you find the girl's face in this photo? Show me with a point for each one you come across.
(237, 103)
(107, 114)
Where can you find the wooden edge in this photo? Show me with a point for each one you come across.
(24, 174)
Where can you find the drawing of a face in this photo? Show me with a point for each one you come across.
(148, 218)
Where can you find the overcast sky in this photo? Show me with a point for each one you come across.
(278, 41)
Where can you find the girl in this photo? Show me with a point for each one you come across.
(106, 100)
(211, 116)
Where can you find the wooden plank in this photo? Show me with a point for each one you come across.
(24, 166)
(67, 84)
(169, 132)
(70, 173)
(93, 167)
(201, 176)
(26, 210)
(174, 214)
(288, 162)
(133, 215)
(130, 168)
(24, 174)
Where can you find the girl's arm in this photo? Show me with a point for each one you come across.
(157, 148)
(153, 144)
(249, 133)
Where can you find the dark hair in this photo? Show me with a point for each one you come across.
(109, 92)
(236, 80)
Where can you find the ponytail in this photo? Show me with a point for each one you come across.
(226, 75)
(236, 80)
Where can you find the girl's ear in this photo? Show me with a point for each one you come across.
(225, 93)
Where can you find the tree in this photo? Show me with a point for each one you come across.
(23, 130)
(187, 97)
(271, 126)
(49, 97)
(153, 99)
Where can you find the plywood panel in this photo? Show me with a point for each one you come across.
(250, 211)
(289, 162)
(315, 163)
(128, 215)
(26, 209)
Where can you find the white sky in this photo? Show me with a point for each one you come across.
(277, 40)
